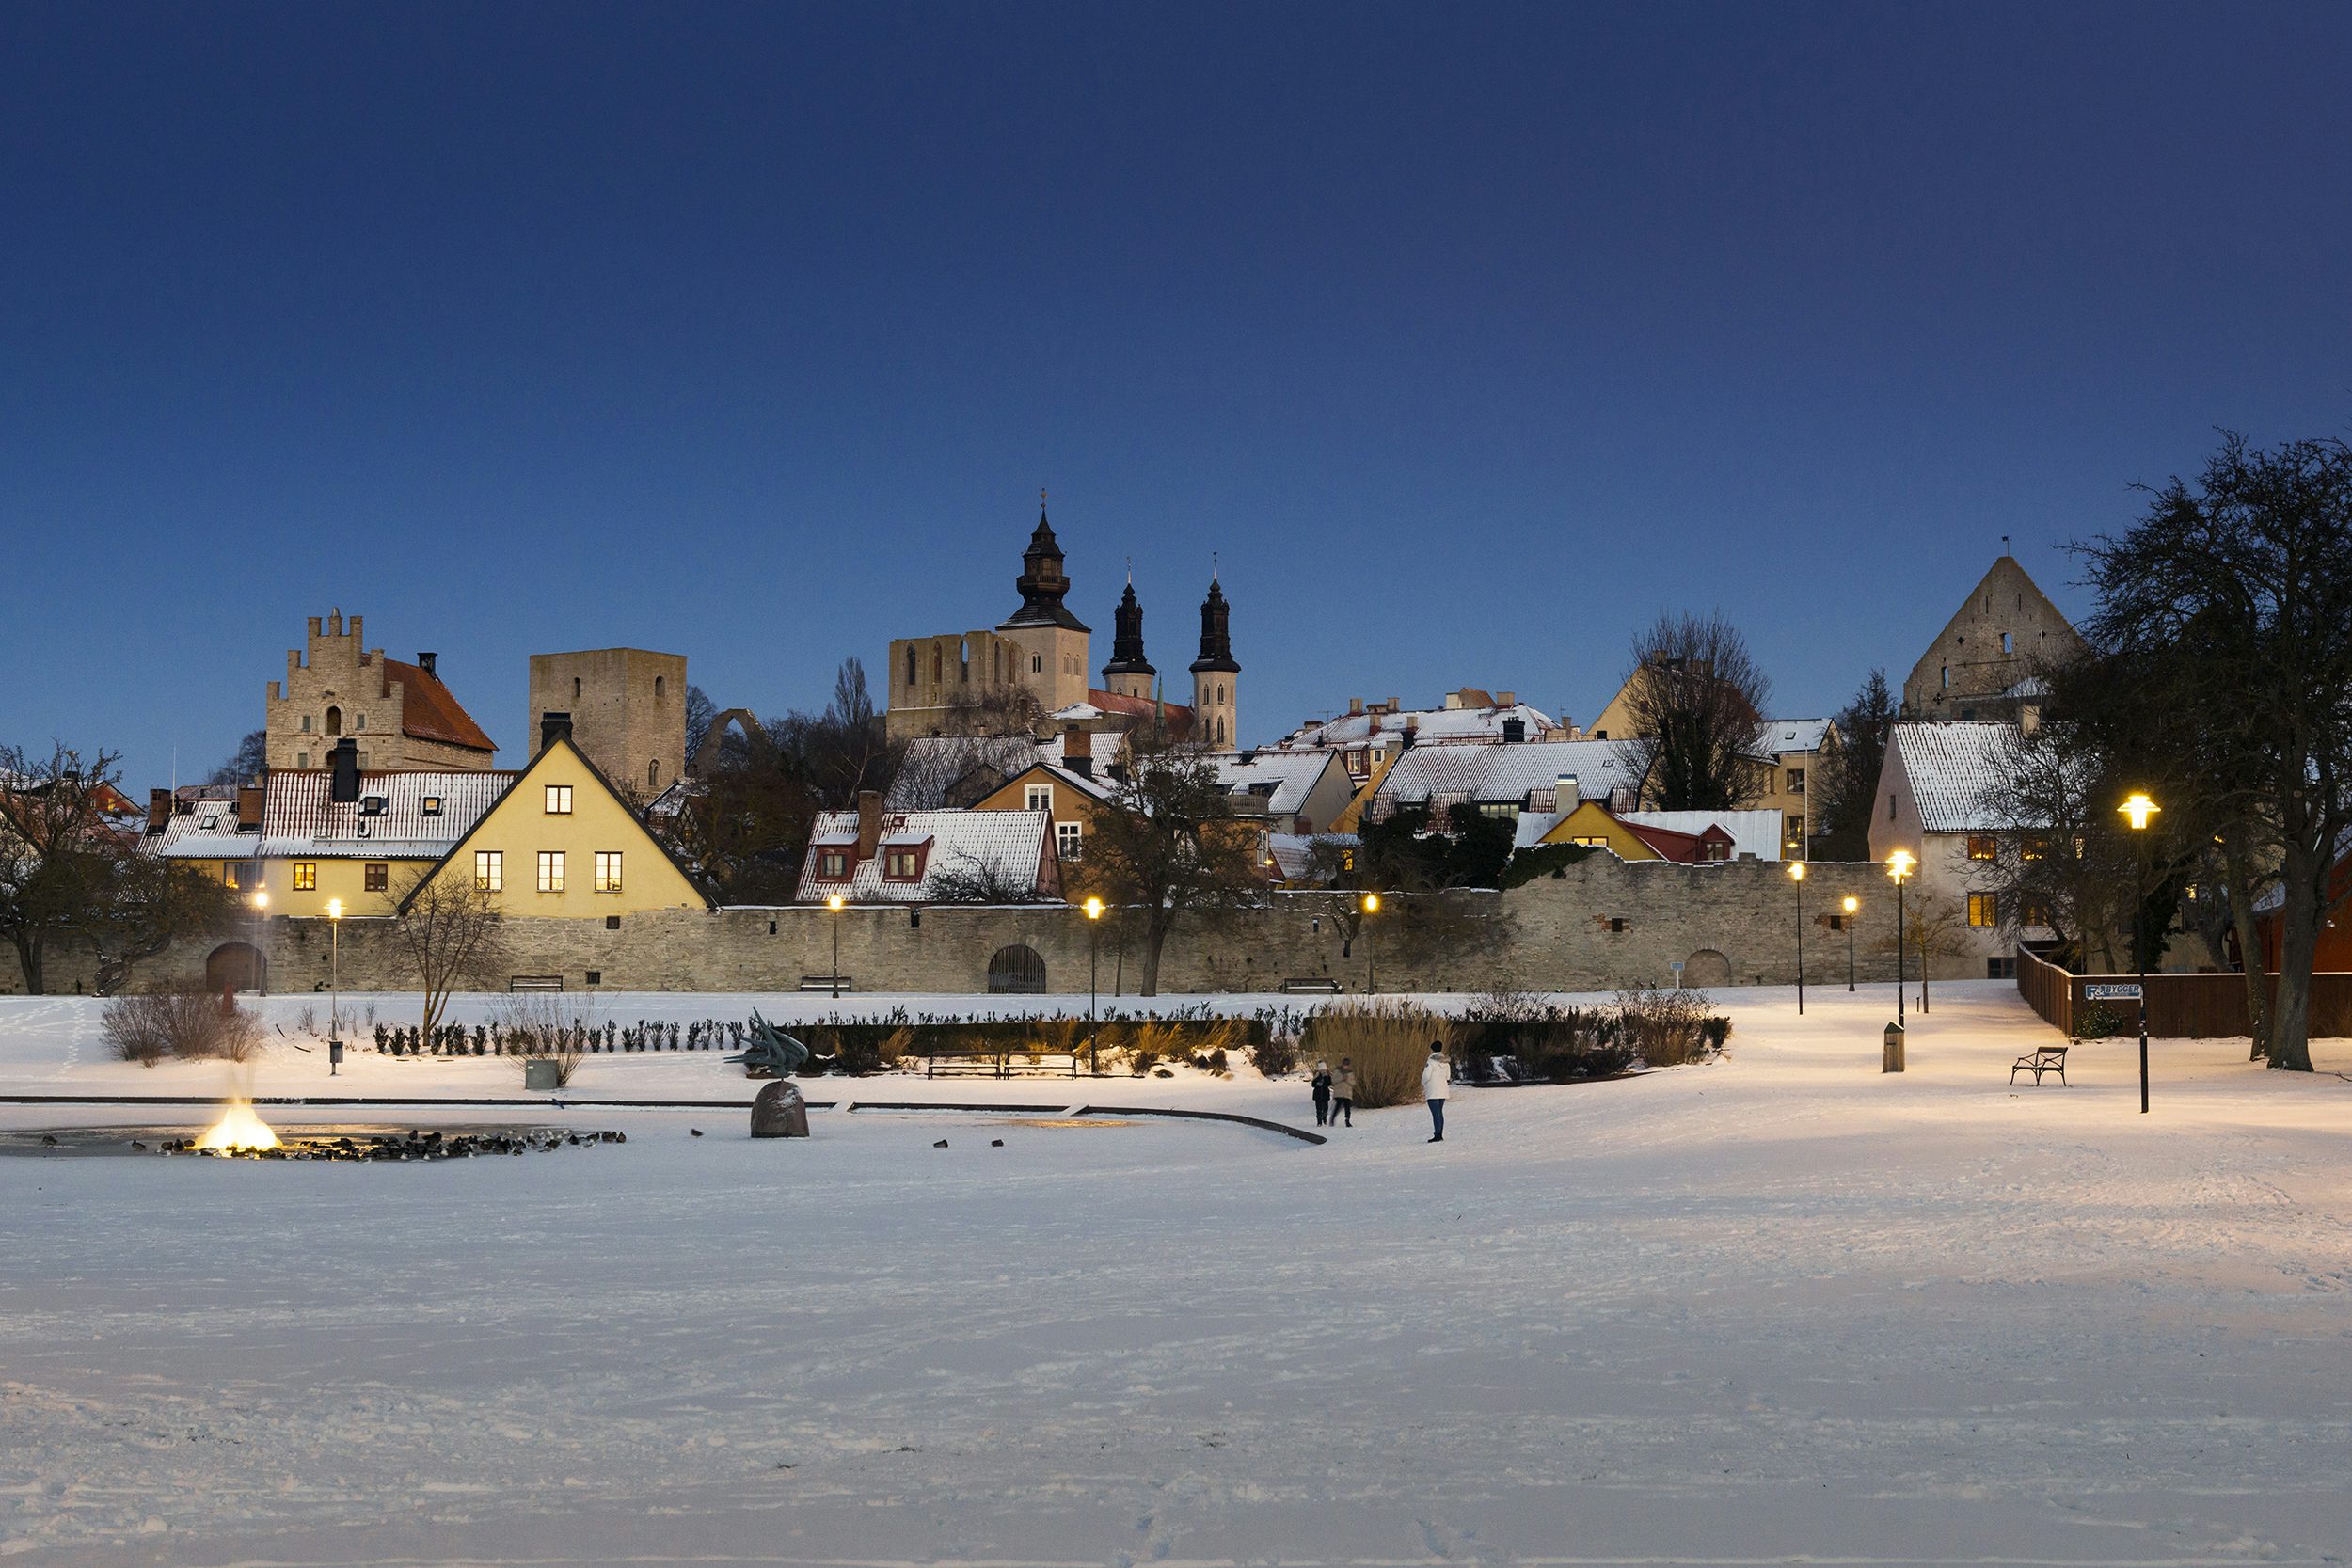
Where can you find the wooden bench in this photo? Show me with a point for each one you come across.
(2049, 1058)
(826, 982)
(1323, 982)
(997, 1062)
(535, 982)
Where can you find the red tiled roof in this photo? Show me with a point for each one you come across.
(1178, 718)
(431, 710)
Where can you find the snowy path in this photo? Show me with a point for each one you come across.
(1780, 1308)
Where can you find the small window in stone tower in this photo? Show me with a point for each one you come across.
(1037, 664)
(360, 722)
(2007, 645)
(575, 689)
(657, 688)
(306, 723)
(653, 772)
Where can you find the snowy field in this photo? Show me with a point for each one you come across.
(1780, 1308)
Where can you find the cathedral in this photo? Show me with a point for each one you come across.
(1031, 673)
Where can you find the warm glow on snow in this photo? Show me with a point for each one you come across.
(238, 1128)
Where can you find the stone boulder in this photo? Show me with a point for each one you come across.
(779, 1112)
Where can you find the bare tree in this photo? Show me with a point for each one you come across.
(968, 880)
(1696, 699)
(248, 761)
(448, 928)
(1167, 843)
(1933, 929)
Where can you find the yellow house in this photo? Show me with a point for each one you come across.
(561, 842)
(1072, 798)
(1594, 823)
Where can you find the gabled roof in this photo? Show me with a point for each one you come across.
(210, 825)
(1092, 788)
(1952, 768)
(1753, 833)
(1011, 847)
(1775, 737)
(1282, 779)
(430, 711)
(301, 819)
(1174, 717)
(1428, 725)
(1498, 773)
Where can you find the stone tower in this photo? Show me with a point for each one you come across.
(1128, 673)
(1215, 675)
(629, 712)
(398, 715)
(1052, 643)
(1984, 664)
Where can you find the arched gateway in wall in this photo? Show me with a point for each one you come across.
(1016, 971)
(233, 966)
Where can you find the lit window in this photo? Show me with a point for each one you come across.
(429, 806)
(901, 866)
(1794, 832)
(306, 877)
(1983, 909)
(229, 876)
(607, 871)
(2033, 846)
(1069, 839)
(376, 876)
(834, 866)
(551, 871)
(1981, 847)
(559, 799)
(490, 870)
(1039, 798)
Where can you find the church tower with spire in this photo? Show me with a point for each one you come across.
(1052, 643)
(1128, 673)
(1215, 675)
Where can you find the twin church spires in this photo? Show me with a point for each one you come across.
(1043, 584)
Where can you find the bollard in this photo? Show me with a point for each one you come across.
(1894, 1058)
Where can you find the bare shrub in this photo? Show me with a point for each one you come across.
(895, 1045)
(1665, 1028)
(189, 1025)
(551, 1028)
(1389, 1040)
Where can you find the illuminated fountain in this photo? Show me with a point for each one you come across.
(237, 1131)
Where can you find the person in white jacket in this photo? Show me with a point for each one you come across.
(1433, 1075)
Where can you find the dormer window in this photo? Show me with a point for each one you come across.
(372, 805)
(833, 865)
(903, 866)
(429, 806)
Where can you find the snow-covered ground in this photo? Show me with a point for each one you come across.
(1778, 1307)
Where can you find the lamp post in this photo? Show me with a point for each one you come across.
(261, 942)
(1898, 866)
(833, 903)
(1796, 879)
(2138, 811)
(1094, 934)
(334, 985)
(1852, 905)
(1370, 906)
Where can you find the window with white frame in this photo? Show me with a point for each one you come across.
(1039, 798)
(1069, 839)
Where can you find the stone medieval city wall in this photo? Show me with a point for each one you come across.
(1599, 924)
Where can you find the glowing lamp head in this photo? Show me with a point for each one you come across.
(334, 909)
(1852, 903)
(1898, 864)
(2138, 809)
(1796, 871)
(1372, 903)
(833, 903)
(1094, 909)
(260, 899)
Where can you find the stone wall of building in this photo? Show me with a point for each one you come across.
(1599, 924)
(627, 709)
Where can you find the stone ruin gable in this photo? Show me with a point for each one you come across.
(1551, 934)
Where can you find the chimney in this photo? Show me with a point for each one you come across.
(868, 823)
(1077, 752)
(424, 662)
(1565, 795)
(2028, 715)
(249, 808)
(158, 809)
(1506, 699)
(343, 787)
(1355, 705)
(554, 727)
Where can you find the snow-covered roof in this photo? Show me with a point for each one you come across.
(1427, 724)
(935, 764)
(1498, 773)
(1776, 736)
(1753, 833)
(1084, 784)
(210, 825)
(1004, 846)
(1282, 779)
(1952, 768)
(1294, 853)
(301, 819)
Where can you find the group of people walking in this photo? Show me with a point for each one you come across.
(1335, 1091)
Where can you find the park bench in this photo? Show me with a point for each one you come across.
(998, 1061)
(2049, 1058)
(826, 982)
(535, 982)
(1322, 983)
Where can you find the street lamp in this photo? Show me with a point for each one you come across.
(1371, 905)
(261, 942)
(2138, 810)
(1898, 866)
(1095, 947)
(1852, 905)
(833, 903)
(1796, 879)
(335, 986)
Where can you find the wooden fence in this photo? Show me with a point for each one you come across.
(2179, 1006)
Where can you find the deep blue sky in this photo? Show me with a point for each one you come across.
(1469, 338)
